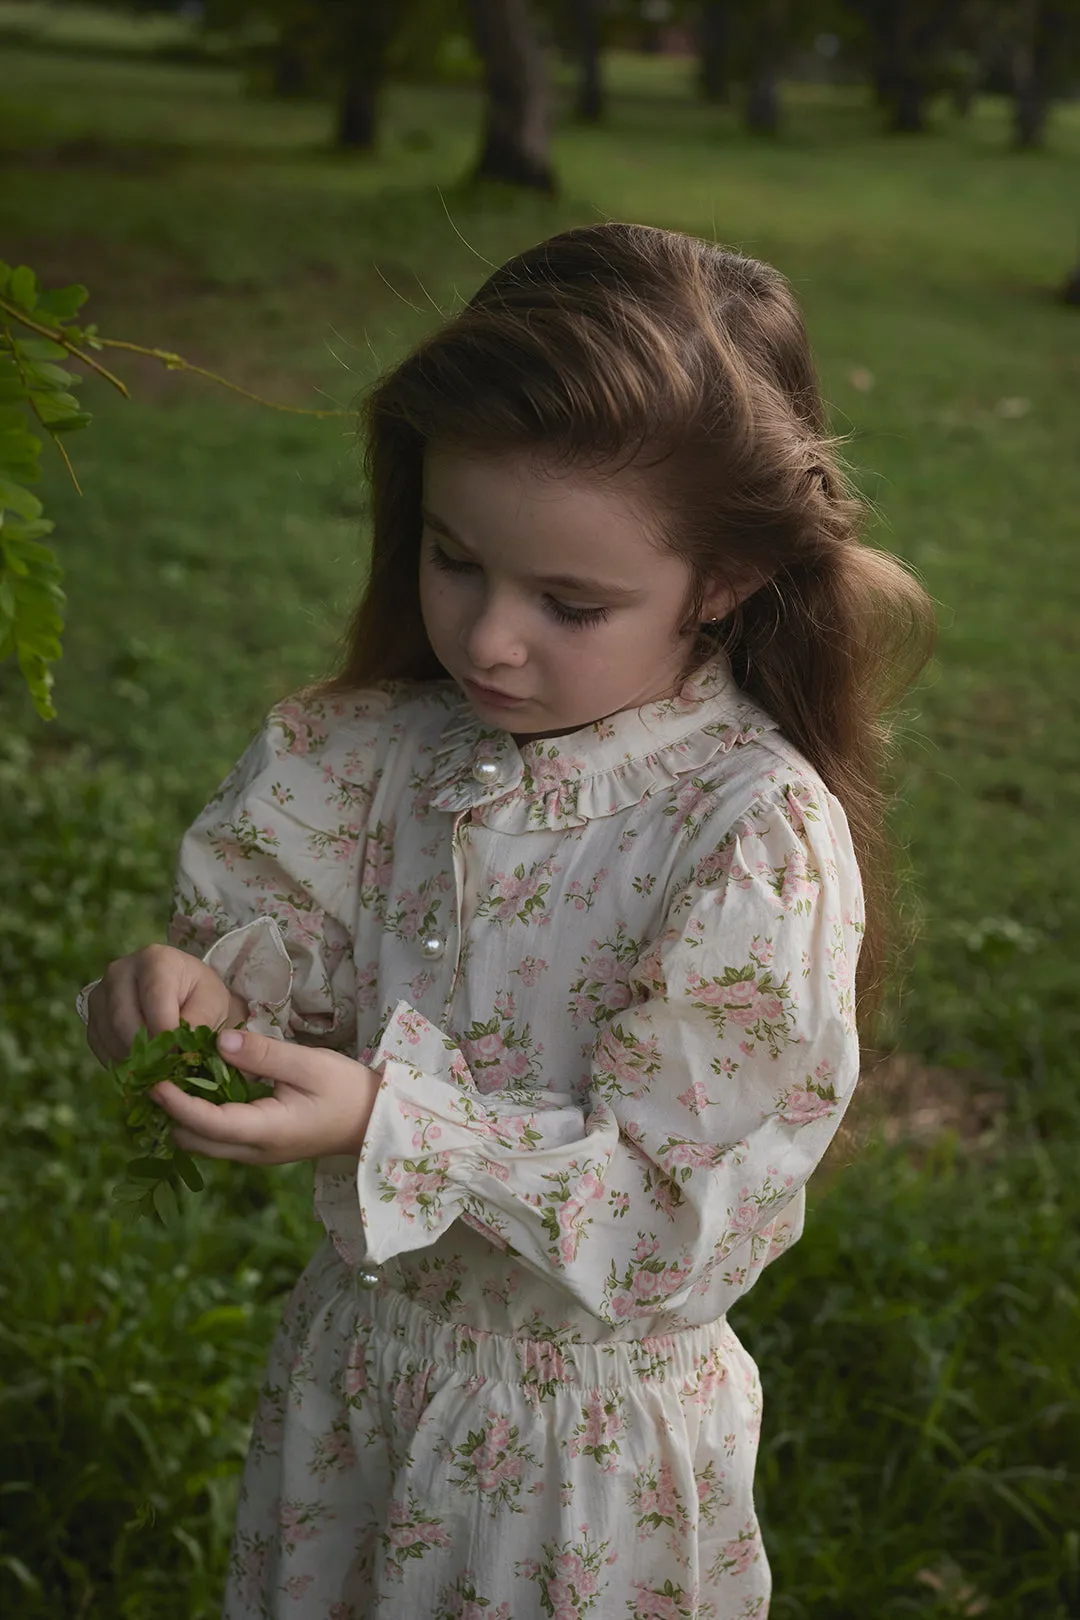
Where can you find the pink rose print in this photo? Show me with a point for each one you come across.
(568, 1576)
(801, 1105)
(492, 1463)
(603, 988)
(299, 726)
(530, 970)
(750, 1000)
(648, 1282)
(298, 1522)
(624, 1063)
(601, 1427)
(250, 1566)
(799, 882)
(735, 1557)
(667, 1602)
(657, 1501)
(693, 800)
(695, 1098)
(462, 1600)
(411, 1534)
(333, 1452)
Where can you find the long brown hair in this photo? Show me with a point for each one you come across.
(617, 346)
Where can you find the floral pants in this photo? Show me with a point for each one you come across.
(406, 1469)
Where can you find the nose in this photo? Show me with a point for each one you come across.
(492, 636)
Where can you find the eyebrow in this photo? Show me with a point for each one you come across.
(594, 587)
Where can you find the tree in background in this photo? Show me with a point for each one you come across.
(907, 43)
(1044, 52)
(767, 24)
(911, 51)
(714, 49)
(587, 17)
(359, 34)
(515, 143)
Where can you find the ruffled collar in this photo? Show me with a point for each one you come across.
(559, 782)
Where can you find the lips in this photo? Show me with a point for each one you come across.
(492, 691)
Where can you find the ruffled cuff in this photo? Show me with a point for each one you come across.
(437, 1150)
(82, 1000)
(254, 964)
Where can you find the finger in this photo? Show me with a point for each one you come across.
(207, 1004)
(192, 1142)
(120, 1017)
(267, 1058)
(231, 1124)
(161, 987)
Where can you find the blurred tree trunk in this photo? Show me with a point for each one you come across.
(587, 26)
(1040, 48)
(361, 35)
(908, 37)
(291, 72)
(515, 141)
(714, 46)
(1070, 293)
(766, 40)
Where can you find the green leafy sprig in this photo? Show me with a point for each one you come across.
(190, 1059)
(39, 342)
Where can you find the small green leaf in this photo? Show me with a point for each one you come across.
(23, 288)
(70, 424)
(147, 1169)
(218, 1069)
(14, 530)
(36, 349)
(165, 1202)
(199, 1082)
(62, 302)
(18, 499)
(189, 1170)
(44, 375)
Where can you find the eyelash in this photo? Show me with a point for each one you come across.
(578, 617)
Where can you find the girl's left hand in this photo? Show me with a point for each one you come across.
(321, 1106)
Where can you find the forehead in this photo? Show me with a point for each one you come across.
(518, 508)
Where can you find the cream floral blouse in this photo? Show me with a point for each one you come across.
(607, 978)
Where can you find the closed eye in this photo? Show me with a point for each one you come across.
(559, 610)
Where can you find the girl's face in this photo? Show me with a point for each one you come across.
(546, 588)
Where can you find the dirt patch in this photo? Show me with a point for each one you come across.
(903, 1100)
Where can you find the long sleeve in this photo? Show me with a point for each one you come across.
(267, 874)
(711, 1097)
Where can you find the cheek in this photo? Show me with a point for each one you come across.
(436, 598)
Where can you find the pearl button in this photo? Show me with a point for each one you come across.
(432, 946)
(368, 1277)
(487, 772)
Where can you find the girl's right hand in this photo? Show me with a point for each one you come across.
(154, 988)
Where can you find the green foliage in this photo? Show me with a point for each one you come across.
(189, 1059)
(128, 1354)
(33, 387)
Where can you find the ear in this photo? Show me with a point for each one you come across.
(723, 598)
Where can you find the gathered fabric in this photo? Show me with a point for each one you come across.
(421, 1468)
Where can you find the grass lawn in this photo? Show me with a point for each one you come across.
(921, 1447)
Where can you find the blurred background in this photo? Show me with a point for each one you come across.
(288, 193)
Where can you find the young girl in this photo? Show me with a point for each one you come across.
(543, 918)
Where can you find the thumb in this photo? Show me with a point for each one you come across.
(273, 1059)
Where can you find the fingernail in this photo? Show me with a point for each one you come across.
(230, 1040)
